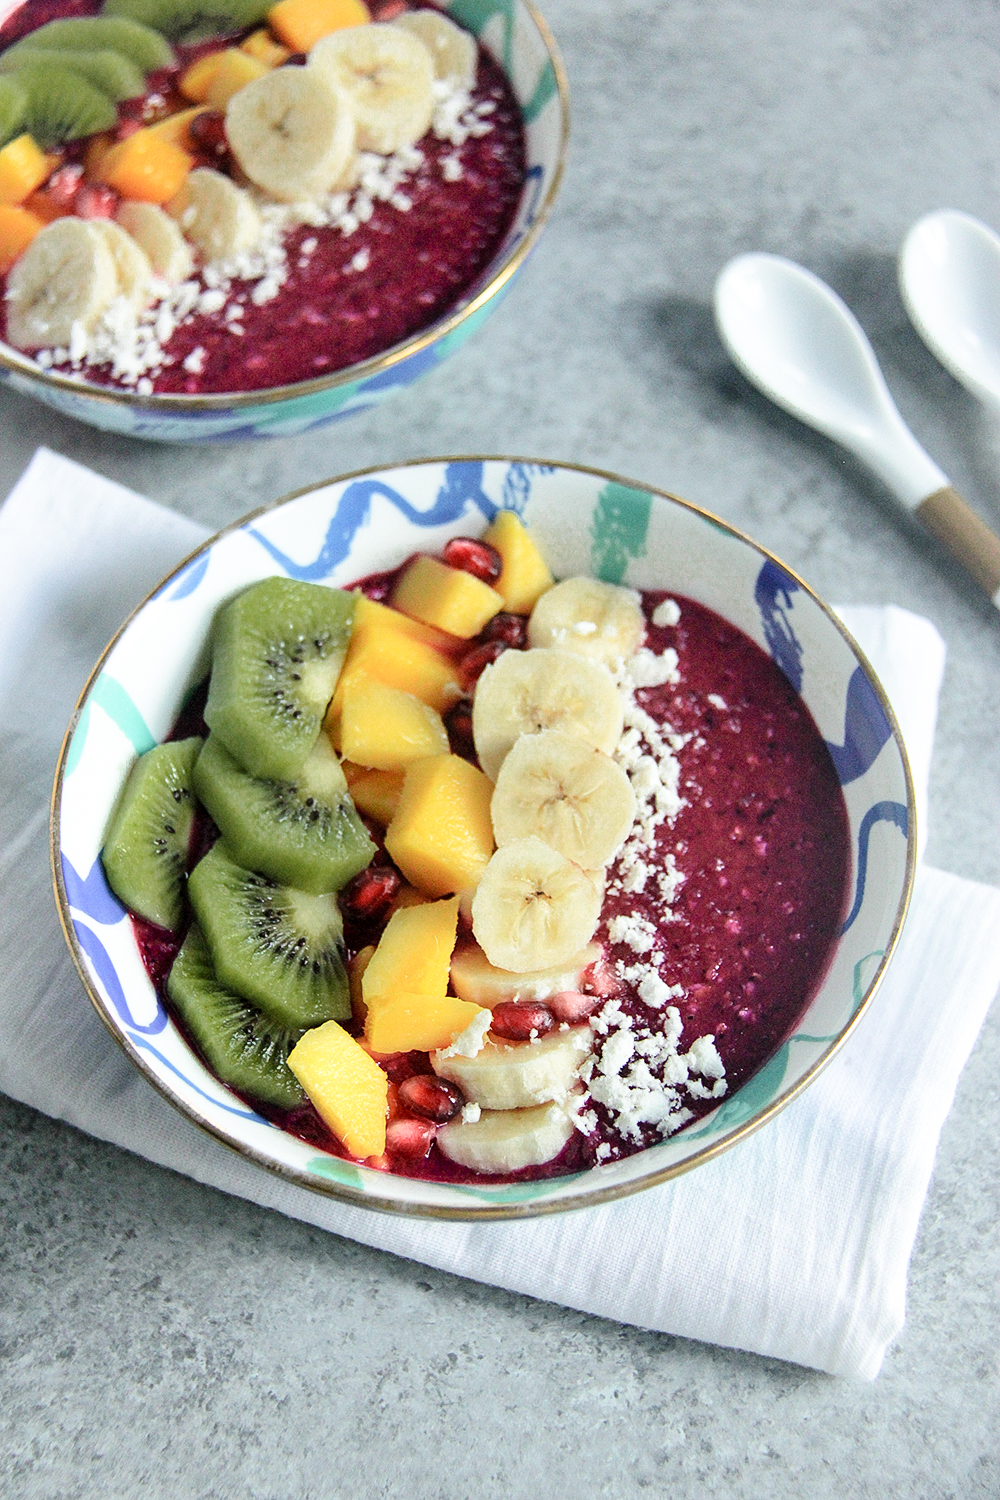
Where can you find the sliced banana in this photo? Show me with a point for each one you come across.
(454, 51)
(132, 267)
(292, 132)
(66, 276)
(591, 618)
(523, 692)
(218, 217)
(387, 75)
(473, 977)
(534, 907)
(156, 232)
(556, 788)
(507, 1140)
(513, 1075)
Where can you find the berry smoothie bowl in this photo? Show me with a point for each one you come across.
(255, 221)
(482, 838)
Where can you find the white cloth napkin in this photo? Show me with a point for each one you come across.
(793, 1244)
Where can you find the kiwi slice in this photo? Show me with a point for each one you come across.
(145, 852)
(278, 947)
(144, 46)
(239, 1043)
(304, 833)
(191, 20)
(13, 108)
(112, 72)
(62, 105)
(276, 655)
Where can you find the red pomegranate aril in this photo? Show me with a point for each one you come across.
(458, 722)
(433, 1098)
(410, 1138)
(63, 185)
(600, 979)
(208, 132)
(478, 558)
(95, 202)
(474, 663)
(573, 1007)
(388, 10)
(511, 629)
(366, 896)
(520, 1020)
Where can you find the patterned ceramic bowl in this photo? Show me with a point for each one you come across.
(514, 32)
(584, 521)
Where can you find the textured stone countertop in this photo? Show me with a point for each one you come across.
(159, 1339)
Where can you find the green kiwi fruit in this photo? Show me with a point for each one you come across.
(240, 1045)
(13, 108)
(191, 20)
(112, 72)
(62, 105)
(277, 650)
(141, 44)
(304, 833)
(145, 852)
(276, 946)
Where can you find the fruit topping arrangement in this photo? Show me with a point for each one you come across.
(471, 872)
(197, 202)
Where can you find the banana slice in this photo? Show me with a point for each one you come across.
(387, 76)
(132, 268)
(454, 51)
(554, 787)
(473, 977)
(507, 1140)
(533, 907)
(66, 276)
(513, 1075)
(158, 235)
(218, 217)
(292, 132)
(590, 618)
(524, 692)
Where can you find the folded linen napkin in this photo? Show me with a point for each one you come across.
(793, 1244)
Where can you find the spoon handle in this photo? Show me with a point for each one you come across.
(968, 539)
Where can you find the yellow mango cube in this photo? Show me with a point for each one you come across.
(386, 728)
(355, 974)
(446, 597)
(407, 895)
(413, 953)
(345, 1085)
(301, 23)
(441, 836)
(406, 1022)
(175, 128)
(261, 45)
(398, 661)
(235, 70)
(24, 166)
(18, 228)
(374, 793)
(194, 81)
(368, 613)
(525, 575)
(147, 166)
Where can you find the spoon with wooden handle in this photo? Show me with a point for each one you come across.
(795, 340)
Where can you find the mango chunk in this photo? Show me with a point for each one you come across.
(374, 793)
(407, 1022)
(194, 81)
(346, 1086)
(261, 45)
(446, 597)
(355, 974)
(236, 69)
(18, 227)
(414, 953)
(398, 661)
(301, 23)
(407, 895)
(147, 166)
(525, 575)
(24, 166)
(175, 128)
(368, 612)
(385, 728)
(441, 836)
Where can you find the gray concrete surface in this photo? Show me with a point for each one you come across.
(158, 1339)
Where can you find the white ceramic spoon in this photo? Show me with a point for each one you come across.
(949, 277)
(798, 343)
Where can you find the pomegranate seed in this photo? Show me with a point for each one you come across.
(572, 1007)
(63, 185)
(515, 1020)
(511, 629)
(474, 663)
(94, 202)
(458, 722)
(411, 1138)
(389, 10)
(379, 1163)
(478, 558)
(208, 132)
(600, 979)
(366, 896)
(431, 1097)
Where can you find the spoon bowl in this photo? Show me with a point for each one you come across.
(949, 278)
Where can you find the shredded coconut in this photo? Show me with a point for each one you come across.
(667, 613)
(470, 1042)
